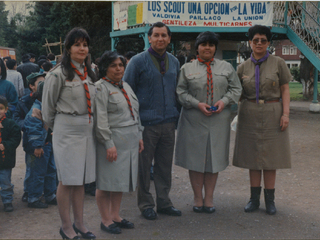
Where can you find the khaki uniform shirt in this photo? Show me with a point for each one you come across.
(65, 96)
(112, 111)
(274, 72)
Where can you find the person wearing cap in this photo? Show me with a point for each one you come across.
(37, 143)
(7, 90)
(23, 107)
(26, 68)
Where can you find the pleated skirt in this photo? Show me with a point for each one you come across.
(122, 174)
(74, 149)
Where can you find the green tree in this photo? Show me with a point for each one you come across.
(3, 24)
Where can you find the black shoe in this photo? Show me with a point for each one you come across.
(52, 202)
(7, 207)
(37, 204)
(64, 236)
(269, 201)
(124, 224)
(112, 228)
(149, 214)
(198, 209)
(171, 211)
(24, 197)
(254, 201)
(209, 209)
(87, 235)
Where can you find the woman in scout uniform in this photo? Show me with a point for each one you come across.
(203, 135)
(262, 140)
(68, 94)
(119, 141)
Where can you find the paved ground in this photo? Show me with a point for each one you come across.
(297, 200)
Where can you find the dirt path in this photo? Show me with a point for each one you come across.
(297, 201)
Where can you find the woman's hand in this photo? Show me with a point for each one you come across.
(141, 146)
(204, 109)
(284, 122)
(219, 105)
(2, 148)
(112, 154)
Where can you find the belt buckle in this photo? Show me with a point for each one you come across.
(261, 101)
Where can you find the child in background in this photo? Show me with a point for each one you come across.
(10, 137)
(37, 143)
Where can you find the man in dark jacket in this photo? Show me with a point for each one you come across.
(26, 68)
(10, 137)
(153, 75)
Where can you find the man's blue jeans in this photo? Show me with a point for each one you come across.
(42, 176)
(26, 178)
(6, 191)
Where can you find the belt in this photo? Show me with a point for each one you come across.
(261, 101)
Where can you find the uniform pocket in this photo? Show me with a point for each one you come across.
(114, 101)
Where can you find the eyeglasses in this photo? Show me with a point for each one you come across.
(257, 40)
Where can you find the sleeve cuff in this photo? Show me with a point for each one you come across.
(109, 144)
(194, 103)
(225, 100)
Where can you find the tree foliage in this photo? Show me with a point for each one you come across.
(52, 21)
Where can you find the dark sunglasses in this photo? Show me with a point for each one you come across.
(262, 40)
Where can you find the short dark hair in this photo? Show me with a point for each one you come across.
(42, 57)
(158, 25)
(191, 56)
(41, 61)
(259, 29)
(3, 101)
(32, 55)
(51, 57)
(26, 58)
(106, 59)
(46, 65)
(7, 58)
(11, 63)
(207, 36)
(129, 55)
(3, 70)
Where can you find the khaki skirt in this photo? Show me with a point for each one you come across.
(74, 149)
(260, 144)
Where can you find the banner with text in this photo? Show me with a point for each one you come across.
(210, 14)
(196, 14)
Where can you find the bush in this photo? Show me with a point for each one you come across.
(295, 72)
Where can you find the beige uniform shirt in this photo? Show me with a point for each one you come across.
(273, 73)
(112, 111)
(192, 84)
(65, 96)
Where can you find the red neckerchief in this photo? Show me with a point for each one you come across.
(209, 77)
(86, 87)
(124, 93)
(2, 152)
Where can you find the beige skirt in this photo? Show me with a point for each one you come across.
(260, 144)
(122, 174)
(74, 149)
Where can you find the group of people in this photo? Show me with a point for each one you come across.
(111, 130)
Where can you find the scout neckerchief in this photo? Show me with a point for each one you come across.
(209, 78)
(161, 58)
(257, 72)
(119, 84)
(2, 152)
(86, 87)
